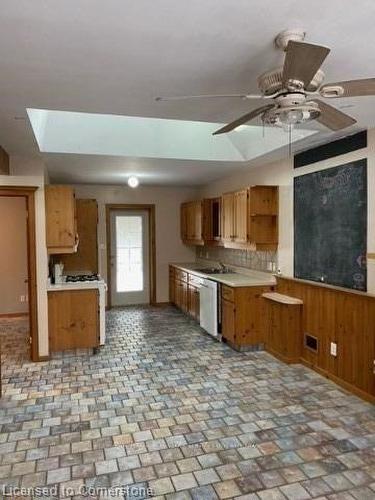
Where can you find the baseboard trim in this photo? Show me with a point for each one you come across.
(345, 385)
(43, 358)
(14, 315)
(281, 357)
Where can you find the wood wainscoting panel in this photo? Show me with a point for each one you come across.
(345, 318)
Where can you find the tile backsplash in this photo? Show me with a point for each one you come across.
(258, 260)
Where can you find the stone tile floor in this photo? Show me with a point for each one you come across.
(165, 407)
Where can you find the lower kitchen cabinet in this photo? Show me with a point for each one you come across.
(181, 295)
(193, 301)
(228, 324)
(243, 321)
(73, 319)
(184, 291)
(284, 329)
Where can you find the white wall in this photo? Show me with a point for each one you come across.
(167, 200)
(282, 173)
(13, 255)
(25, 172)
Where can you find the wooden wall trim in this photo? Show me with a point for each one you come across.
(349, 387)
(152, 244)
(14, 315)
(328, 286)
(29, 193)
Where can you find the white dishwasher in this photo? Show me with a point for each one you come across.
(209, 307)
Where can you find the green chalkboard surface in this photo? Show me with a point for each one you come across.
(330, 226)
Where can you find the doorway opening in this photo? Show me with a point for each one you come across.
(130, 254)
(18, 302)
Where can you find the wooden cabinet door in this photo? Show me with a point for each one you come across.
(196, 304)
(207, 220)
(198, 215)
(73, 319)
(86, 257)
(193, 301)
(191, 306)
(228, 320)
(178, 293)
(172, 285)
(183, 221)
(241, 216)
(184, 297)
(60, 219)
(227, 208)
(190, 215)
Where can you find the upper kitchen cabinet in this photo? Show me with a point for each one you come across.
(227, 217)
(264, 216)
(61, 224)
(212, 221)
(86, 257)
(192, 222)
(235, 218)
(250, 218)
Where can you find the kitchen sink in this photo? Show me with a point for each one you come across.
(215, 270)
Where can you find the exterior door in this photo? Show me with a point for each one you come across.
(130, 259)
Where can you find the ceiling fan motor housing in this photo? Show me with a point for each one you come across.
(271, 82)
(286, 36)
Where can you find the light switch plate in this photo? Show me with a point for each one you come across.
(333, 349)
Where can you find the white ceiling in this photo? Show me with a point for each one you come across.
(115, 56)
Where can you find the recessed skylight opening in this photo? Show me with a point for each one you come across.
(139, 137)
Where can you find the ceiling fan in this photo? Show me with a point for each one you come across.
(291, 89)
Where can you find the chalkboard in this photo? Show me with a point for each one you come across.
(330, 226)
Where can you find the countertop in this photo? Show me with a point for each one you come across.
(85, 285)
(241, 278)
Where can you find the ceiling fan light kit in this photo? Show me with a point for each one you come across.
(293, 89)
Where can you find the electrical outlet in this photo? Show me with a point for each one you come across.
(333, 349)
(22, 298)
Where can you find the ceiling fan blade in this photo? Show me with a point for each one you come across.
(350, 88)
(332, 117)
(243, 119)
(207, 96)
(302, 61)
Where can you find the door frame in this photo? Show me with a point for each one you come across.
(29, 194)
(152, 246)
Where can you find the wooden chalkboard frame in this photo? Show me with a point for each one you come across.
(334, 148)
(330, 225)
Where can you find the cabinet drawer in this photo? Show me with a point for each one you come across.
(227, 293)
(181, 275)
